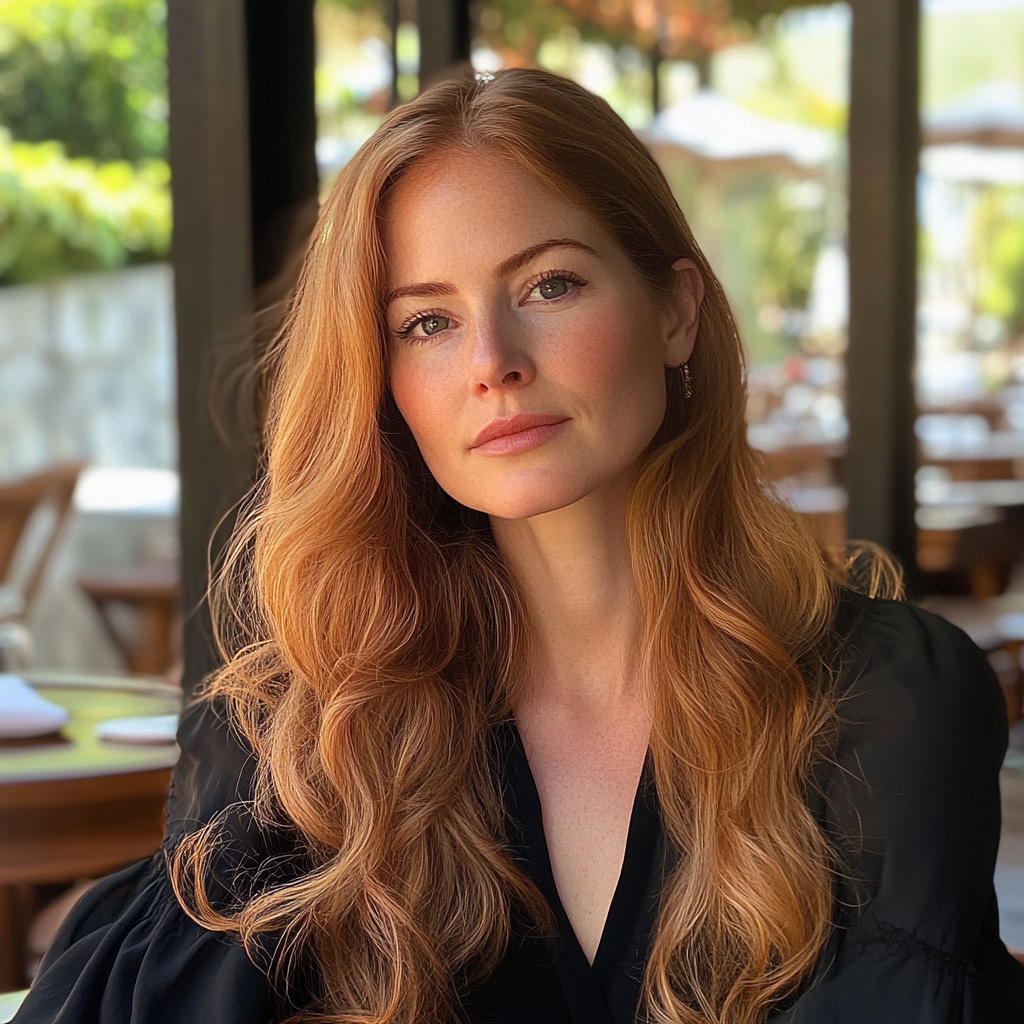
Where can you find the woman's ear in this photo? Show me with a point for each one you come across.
(683, 313)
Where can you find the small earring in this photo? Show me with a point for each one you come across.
(687, 381)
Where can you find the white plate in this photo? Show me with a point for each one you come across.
(152, 729)
(23, 713)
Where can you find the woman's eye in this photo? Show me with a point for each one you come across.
(433, 324)
(553, 287)
(556, 285)
(424, 326)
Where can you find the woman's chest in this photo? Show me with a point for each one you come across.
(586, 776)
(551, 979)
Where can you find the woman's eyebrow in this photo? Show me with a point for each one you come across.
(520, 259)
(437, 289)
(429, 290)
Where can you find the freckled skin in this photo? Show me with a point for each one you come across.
(571, 333)
(596, 355)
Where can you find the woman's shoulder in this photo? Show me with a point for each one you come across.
(880, 629)
(128, 954)
(921, 721)
(908, 794)
(921, 672)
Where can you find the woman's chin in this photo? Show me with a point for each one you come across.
(526, 506)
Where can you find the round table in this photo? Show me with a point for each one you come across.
(74, 806)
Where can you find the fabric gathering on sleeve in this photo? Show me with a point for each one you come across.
(128, 954)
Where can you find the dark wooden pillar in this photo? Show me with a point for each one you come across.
(213, 279)
(444, 28)
(282, 131)
(238, 72)
(884, 143)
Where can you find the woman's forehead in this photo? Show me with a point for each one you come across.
(478, 207)
(464, 179)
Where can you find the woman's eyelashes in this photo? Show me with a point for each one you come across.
(424, 324)
(553, 285)
(546, 289)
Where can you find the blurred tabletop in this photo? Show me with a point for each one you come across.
(75, 754)
(74, 806)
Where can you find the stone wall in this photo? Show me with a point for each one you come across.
(87, 371)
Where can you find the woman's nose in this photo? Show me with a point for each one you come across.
(499, 360)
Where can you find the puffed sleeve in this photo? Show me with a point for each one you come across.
(910, 799)
(128, 953)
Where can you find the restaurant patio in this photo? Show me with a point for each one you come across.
(886, 383)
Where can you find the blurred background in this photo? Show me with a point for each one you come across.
(854, 174)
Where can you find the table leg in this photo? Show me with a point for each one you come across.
(1013, 691)
(12, 940)
(153, 656)
(985, 582)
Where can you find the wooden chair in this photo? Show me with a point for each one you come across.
(810, 476)
(821, 462)
(153, 591)
(19, 499)
(984, 552)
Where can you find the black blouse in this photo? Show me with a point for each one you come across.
(909, 797)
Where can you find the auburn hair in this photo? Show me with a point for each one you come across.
(372, 633)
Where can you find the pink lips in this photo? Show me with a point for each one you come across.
(517, 433)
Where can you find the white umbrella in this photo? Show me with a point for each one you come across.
(978, 139)
(972, 164)
(991, 116)
(716, 131)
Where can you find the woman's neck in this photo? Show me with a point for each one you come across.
(573, 569)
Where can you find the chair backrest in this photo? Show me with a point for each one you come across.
(19, 499)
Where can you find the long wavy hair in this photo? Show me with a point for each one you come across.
(372, 634)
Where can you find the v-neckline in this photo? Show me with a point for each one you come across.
(607, 991)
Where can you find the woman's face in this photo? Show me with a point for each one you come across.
(527, 356)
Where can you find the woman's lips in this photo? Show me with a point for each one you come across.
(517, 433)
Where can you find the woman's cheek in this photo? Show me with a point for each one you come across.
(424, 399)
(600, 356)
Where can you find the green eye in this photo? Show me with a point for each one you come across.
(553, 287)
(434, 324)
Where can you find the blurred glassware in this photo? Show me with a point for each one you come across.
(15, 639)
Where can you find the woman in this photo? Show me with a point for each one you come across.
(537, 707)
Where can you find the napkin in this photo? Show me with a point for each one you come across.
(152, 729)
(24, 713)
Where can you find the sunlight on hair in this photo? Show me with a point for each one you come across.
(372, 634)
(869, 569)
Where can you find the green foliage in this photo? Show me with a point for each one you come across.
(999, 251)
(89, 73)
(770, 232)
(785, 96)
(965, 49)
(517, 28)
(375, 7)
(83, 88)
(788, 230)
(787, 100)
(752, 11)
(59, 214)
